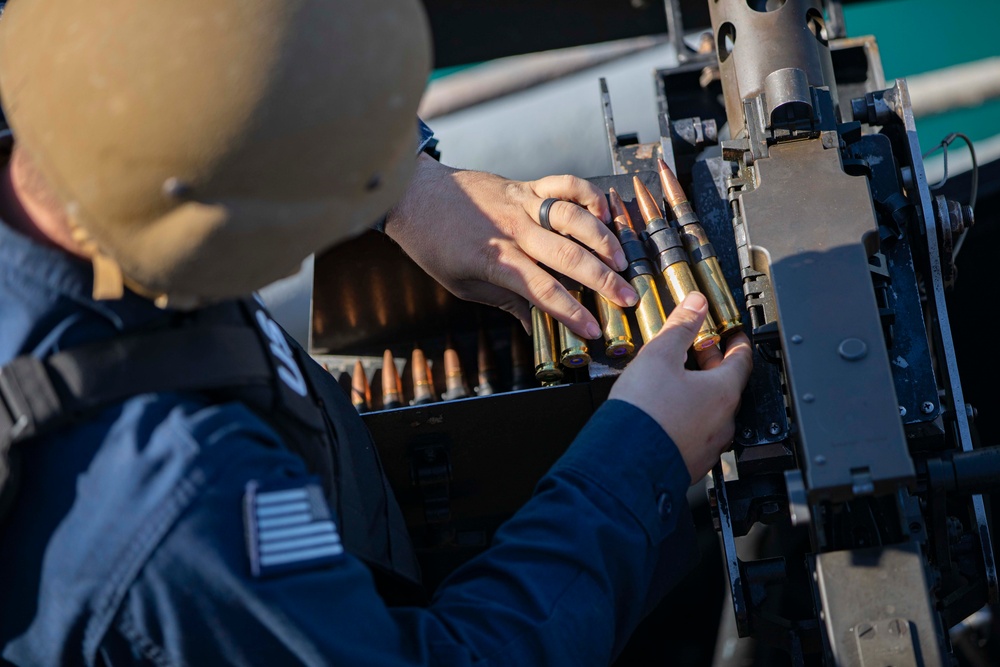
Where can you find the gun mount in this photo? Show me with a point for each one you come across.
(817, 200)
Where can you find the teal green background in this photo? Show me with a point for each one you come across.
(917, 36)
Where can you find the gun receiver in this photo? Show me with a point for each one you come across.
(853, 428)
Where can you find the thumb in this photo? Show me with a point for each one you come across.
(682, 325)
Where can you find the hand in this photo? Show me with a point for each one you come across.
(478, 235)
(697, 409)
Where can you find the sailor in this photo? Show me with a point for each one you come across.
(181, 484)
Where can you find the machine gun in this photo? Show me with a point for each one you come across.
(854, 434)
(854, 447)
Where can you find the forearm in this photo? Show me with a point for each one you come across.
(570, 576)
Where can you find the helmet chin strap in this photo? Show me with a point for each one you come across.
(109, 283)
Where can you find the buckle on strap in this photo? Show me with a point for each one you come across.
(14, 417)
(28, 399)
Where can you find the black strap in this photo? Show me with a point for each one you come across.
(40, 395)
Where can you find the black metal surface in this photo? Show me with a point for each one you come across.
(899, 299)
(460, 468)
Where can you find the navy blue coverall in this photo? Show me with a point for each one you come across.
(131, 541)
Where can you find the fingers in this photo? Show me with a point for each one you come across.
(504, 299)
(682, 326)
(571, 259)
(571, 220)
(575, 189)
(522, 277)
(738, 360)
(708, 358)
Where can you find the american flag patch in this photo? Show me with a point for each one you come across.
(289, 529)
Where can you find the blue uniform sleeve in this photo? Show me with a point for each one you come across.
(566, 581)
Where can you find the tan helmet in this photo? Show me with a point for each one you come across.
(206, 147)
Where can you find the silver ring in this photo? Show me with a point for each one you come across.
(543, 213)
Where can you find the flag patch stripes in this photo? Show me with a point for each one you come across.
(289, 529)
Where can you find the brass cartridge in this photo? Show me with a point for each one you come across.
(573, 350)
(546, 355)
(649, 312)
(423, 387)
(665, 244)
(486, 366)
(522, 366)
(615, 328)
(454, 378)
(705, 263)
(392, 385)
(361, 392)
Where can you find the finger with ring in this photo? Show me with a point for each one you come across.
(543, 213)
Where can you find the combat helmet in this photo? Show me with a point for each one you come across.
(204, 148)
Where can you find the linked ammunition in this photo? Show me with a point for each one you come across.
(522, 371)
(649, 309)
(546, 355)
(423, 388)
(672, 260)
(705, 263)
(361, 392)
(573, 350)
(454, 379)
(614, 327)
(486, 369)
(392, 385)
